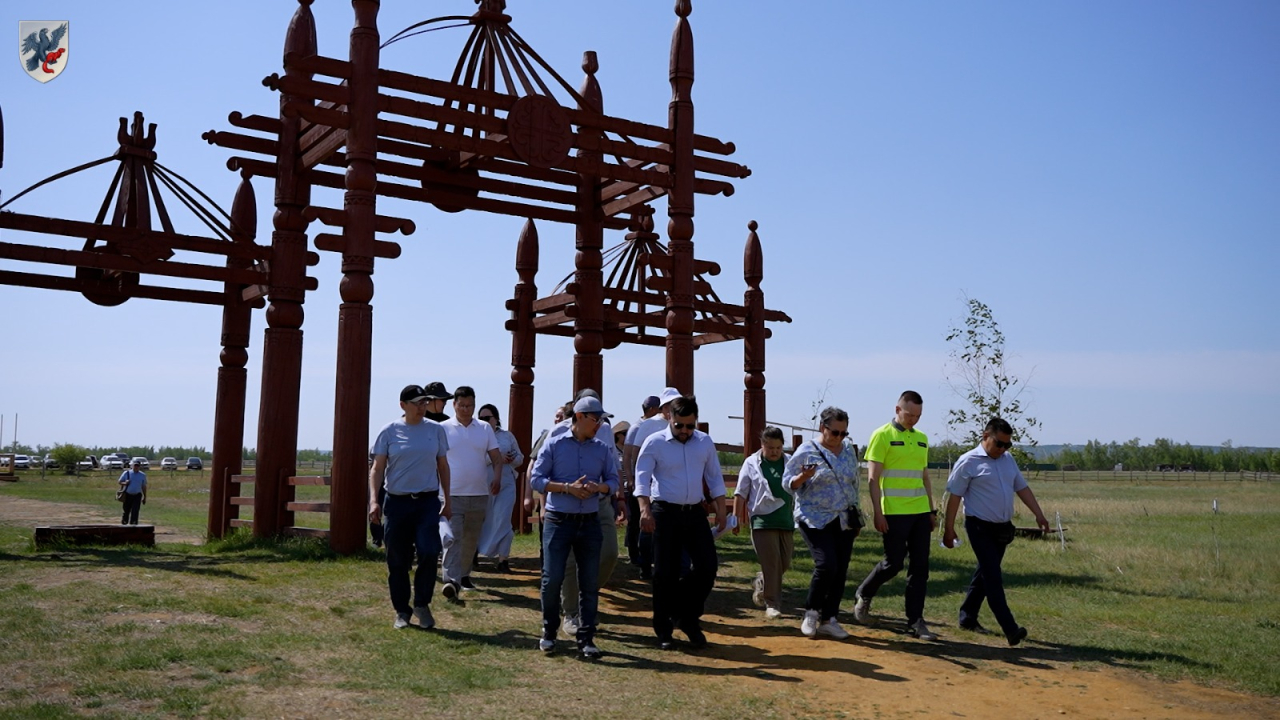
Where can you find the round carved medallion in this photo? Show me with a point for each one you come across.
(538, 131)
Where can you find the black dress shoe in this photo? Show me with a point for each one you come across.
(666, 642)
(975, 628)
(466, 583)
(589, 650)
(1018, 636)
(503, 566)
(696, 638)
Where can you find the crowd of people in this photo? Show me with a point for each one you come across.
(442, 490)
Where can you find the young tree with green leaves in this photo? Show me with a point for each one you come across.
(977, 373)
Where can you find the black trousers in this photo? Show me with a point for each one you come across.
(989, 541)
(831, 549)
(639, 543)
(132, 504)
(908, 537)
(680, 600)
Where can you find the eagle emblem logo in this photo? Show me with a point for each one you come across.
(43, 47)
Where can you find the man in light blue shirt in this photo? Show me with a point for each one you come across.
(676, 471)
(987, 478)
(573, 471)
(134, 483)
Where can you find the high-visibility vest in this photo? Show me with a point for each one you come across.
(904, 455)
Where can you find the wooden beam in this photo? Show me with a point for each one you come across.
(108, 261)
(109, 233)
(147, 292)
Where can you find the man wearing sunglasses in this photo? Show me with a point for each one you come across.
(677, 470)
(986, 478)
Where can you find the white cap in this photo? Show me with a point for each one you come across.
(668, 395)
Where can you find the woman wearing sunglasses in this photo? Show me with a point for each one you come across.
(495, 538)
(823, 477)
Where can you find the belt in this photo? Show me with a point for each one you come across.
(677, 506)
(574, 516)
(424, 495)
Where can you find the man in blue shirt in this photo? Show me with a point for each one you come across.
(573, 471)
(676, 471)
(134, 484)
(987, 478)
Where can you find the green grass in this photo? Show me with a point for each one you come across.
(1150, 580)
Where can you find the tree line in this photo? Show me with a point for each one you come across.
(1133, 455)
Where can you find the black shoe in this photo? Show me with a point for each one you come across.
(666, 642)
(975, 628)
(450, 591)
(646, 573)
(1018, 636)
(466, 583)
(696, 638)
(589, 650)
(503, 566)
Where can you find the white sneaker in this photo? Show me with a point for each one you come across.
(809, 626)
(570, 626)
(861, 609)
(757, 590)
(402, 621)
(772, 613)
(920, 630)
(832, 629)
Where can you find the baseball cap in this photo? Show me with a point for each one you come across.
(437, 391)
(412, 393)
(650, 402)
(588, 405)
(669, 394)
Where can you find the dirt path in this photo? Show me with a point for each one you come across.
(881, 673)
(23, 512)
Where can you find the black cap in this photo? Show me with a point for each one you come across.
(437, 391)
(412, 393)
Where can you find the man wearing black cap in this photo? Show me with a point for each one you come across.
(437, 395)
(410, 461)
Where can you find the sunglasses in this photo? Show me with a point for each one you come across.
(595, 417)
(837, 433)
(486, 418)
(685, 426)
(1003, 445)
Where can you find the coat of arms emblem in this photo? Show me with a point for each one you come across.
(43, 47)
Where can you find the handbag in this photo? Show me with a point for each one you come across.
(120, 495)
(851, 517)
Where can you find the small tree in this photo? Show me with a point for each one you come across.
(67, 456)
(977, 373)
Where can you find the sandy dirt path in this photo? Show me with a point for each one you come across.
(23, 512)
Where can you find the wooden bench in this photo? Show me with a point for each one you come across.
(96, 535)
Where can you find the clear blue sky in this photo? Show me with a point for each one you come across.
(1106, 176)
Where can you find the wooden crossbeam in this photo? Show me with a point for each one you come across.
(334, 217)
(338, 244)
(662, 283)
(666, 262)
(149, 292)
(109, 261)
(315, 507)
(152, 238)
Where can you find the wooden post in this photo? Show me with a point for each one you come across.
(282, 345)
(523, 358)
(588, 326)
(679, 321)
(753, 398)
(349, 490)
(228, 419)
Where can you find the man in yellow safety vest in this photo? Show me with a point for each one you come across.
(897, 459)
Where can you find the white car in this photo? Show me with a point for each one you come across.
(144, 463)
(21, 462)
(169, 464)
(111, 462)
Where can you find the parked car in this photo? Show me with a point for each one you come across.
(169, 464)
(111, 462)
(90, 462)
(50, 461)
(21, 462)
(194, 463)
(144, 463)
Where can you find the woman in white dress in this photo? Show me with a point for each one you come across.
(495, 538)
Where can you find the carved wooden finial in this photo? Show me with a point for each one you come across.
(753, 257)
(684, 8)
(244, 211)
(590, 63)
(301, 36)
(527, 251)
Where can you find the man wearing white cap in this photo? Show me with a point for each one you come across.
(574, 470)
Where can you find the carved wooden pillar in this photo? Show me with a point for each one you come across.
(228, 419)
(588, 339)
(680, 206)
(349, 490)
(753, 399)
(523, 358)
(282, 345)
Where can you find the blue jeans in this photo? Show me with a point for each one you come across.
(988, 541)
(410, 523)
(563, 533)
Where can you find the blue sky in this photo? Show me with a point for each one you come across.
(1105, 176)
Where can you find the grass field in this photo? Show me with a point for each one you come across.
(1151, 579)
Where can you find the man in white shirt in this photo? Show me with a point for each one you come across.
(475, 471)
(657, 413)
(677, 470)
